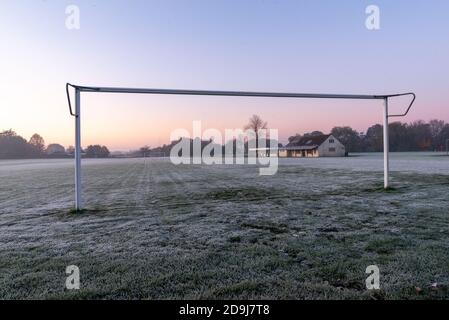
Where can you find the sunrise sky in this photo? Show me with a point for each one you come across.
(284, 46)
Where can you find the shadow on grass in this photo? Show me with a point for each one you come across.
(381, 189)
(92, 211)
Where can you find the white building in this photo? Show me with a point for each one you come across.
(313, 146)
(55, 148)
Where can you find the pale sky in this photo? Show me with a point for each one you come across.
(283, 46)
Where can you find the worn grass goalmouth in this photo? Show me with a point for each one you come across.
(77, 115)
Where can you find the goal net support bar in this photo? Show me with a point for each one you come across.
(77, 115)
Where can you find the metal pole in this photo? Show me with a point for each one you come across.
(386, 147)
(78, 192)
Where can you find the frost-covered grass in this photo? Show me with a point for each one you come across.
(158, 231)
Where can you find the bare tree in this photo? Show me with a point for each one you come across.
(256, 124)
(436, 127)
(37, 142)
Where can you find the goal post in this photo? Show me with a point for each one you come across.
(78, 191)
(80, 89)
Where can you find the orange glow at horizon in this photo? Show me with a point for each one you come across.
(127, 122)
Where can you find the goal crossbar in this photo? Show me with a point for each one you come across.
(77, 114)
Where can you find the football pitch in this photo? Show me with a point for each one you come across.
(153, 230)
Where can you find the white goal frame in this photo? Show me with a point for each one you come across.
(77, 115)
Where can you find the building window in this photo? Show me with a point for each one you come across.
(331, 140)
(331, 149)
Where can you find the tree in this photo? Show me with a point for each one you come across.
(8, 133)
(296, 137)
(399, 137)
(373, 140)
(256, 124)
(313, 134)
(145, 151)
(97, 151)
(420, 136)
(38, 143)
(13, 146)
(349, 137)
(436, 127)
(443, 137)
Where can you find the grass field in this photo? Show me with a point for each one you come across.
(158, 231)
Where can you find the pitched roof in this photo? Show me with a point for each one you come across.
(309, 142)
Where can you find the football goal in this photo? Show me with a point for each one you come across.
(77, 115)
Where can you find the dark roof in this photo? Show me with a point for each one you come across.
(310, 141)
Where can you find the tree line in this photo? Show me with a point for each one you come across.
(414, 136)
(13, 146)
